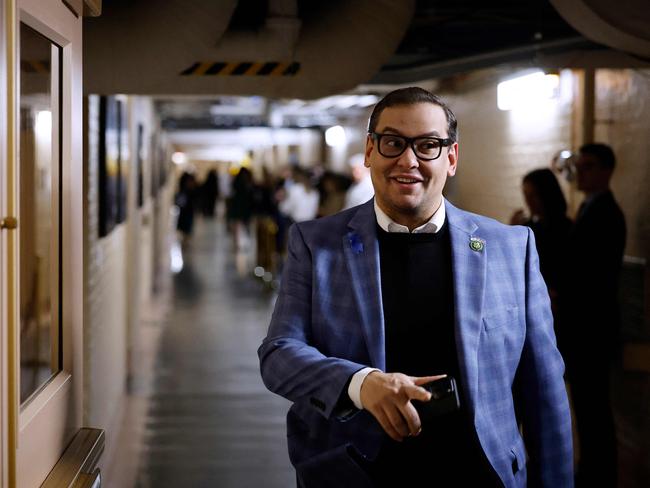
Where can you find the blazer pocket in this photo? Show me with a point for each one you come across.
(499, 318)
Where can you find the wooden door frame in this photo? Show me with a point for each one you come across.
(37, 432)
(8, 246)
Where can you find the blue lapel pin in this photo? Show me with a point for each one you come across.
(476, 244)
(355, 243)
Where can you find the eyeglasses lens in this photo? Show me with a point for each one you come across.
(425, 147)
(392, 146)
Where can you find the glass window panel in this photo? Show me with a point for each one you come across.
(39, 170)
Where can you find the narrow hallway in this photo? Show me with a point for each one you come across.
(210, 421)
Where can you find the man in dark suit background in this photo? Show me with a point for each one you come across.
(590, 338)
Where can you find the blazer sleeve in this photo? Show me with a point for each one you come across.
(290, 365)
(544, 406)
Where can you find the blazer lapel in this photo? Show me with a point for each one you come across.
(361, 251)
(469, 264)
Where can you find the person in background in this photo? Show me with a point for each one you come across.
(209, 193)
(361, 189)
(547, 218)
(384, 298)
(301, 200)
(241, 207)
(185, 202)
(590, 314)
(332, 195)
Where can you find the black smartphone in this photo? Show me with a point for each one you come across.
(444, 398)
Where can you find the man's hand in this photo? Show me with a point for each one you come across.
(387, 396)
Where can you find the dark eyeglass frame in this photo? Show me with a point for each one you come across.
(411, 141)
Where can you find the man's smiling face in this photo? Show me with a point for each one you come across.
(409, 189)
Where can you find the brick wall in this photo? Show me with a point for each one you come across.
(119, 271)
(138, 225)
(105, 307)
(623, 121)
(497, 148)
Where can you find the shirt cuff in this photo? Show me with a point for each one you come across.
(354, 388)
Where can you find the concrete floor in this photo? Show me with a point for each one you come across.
(198, 414)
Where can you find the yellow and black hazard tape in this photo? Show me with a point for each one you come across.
(243, 69)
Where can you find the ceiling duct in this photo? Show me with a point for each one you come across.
(145, 47)
(620, 25)
(276, 40)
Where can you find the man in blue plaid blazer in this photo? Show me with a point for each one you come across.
(353, 421)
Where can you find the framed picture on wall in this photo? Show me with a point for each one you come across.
(163, 168)
(112, 174)
(139, 161)
(123, 159)
(153, 165)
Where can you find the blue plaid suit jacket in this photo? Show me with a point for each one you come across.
(328, 324)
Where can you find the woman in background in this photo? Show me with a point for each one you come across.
(550, 224)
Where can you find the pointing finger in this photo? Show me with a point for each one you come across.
(422, 380)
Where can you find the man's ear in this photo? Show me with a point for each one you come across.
(452, 157)
(370, 144)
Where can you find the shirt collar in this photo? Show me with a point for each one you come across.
(433, 225)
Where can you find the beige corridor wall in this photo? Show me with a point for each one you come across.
(623, 121)
(138, 283)
(497, 148)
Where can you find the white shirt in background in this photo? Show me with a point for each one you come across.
(359, 193)
(300, 204)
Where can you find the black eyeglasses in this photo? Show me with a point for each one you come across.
(426, 148)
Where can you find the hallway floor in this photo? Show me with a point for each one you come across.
(198, 414)
(209, 421)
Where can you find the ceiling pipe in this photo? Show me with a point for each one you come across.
(143, 47)
(619, 25)
(276, 40)
(133, 47)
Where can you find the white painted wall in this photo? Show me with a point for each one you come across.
(105, 321)
(118, 274)
(139, 270)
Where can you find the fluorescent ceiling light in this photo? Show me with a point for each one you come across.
(335, 136)
(528, 91)
(179, 158)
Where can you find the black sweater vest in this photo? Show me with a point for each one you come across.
(417, 295)
(418, 305)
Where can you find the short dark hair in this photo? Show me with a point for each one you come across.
(411, 96)
(602, 152)
(548, 190)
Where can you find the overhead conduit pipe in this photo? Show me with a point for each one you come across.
(144, 47)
